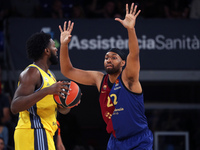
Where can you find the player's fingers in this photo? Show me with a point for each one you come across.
(64, 27)
(69, 24)
(66, 83)
(71, 28)
(60, 28)
(61, 94)
(126, 8)
(65, 92)
(138, 13)
(135, 8)
(131, 10)
(65, 88)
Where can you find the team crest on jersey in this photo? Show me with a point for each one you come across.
(104, 87)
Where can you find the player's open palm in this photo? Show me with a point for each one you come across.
(65, 36)
(130, 18)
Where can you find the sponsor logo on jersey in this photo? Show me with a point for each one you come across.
(46, 79)
(117, 82)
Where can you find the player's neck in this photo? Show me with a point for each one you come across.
(42, 65)
(113, 77)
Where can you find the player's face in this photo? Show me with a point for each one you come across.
(54, 55)
(112, 63)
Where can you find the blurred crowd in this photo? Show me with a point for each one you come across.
(70, 9)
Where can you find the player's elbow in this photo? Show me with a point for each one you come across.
(66, 71)
(63, 71)
(13, 109)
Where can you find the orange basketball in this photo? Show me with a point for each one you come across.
(72, 98)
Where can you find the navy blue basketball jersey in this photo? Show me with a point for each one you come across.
(128, 114)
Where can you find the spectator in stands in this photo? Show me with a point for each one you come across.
(90, 8)
(78, 11)
(152, 8)
(176, 9)
(195, 9)
(4, 135)
(120, 8)
(4, 105)
(4, 114)
(24, 8)
(57, 9)
(100, 9)
(109, 9)
(2, 144)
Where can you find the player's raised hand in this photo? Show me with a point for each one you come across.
(65, 36)
(130, 18)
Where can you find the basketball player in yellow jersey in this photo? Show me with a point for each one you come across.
(33, 98)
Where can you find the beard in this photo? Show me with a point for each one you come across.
(113, 70)
(53, 59)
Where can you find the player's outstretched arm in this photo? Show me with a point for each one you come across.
(132, 65)
(67, 69)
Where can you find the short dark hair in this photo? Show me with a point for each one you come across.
(36, 45)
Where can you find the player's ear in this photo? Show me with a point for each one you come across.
(47, 50)
(123, 63)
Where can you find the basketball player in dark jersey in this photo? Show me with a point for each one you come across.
(121, 97)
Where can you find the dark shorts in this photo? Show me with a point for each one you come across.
(142, 141)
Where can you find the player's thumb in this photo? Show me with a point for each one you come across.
(70, 36)
(118, 19)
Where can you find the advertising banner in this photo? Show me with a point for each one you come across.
(165, 44)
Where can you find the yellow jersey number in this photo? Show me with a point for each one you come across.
(109, 102)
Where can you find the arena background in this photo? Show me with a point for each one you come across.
(170, 75)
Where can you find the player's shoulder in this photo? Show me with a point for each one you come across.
(100, 74)
(30, 73)
(97, 75)
(99, 78)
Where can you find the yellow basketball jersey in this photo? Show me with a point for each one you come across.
(43, 113)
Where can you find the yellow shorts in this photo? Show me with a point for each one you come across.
(33, 139)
